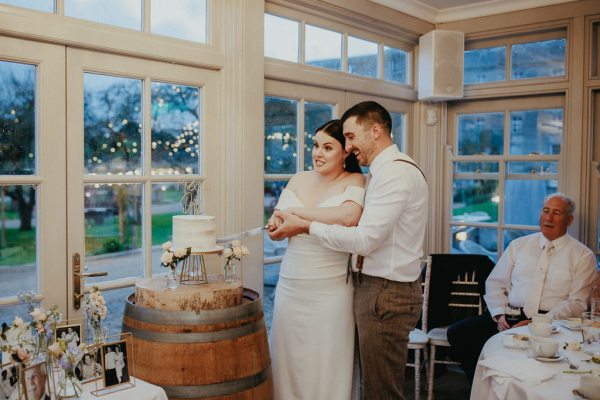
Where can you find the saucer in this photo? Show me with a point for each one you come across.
(567, 324)
(556, 357)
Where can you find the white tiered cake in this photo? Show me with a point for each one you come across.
(199, 233)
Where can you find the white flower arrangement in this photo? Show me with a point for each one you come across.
(170, 258)
(235, 250)
(94, 306)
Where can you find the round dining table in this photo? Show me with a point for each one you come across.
(506, 372)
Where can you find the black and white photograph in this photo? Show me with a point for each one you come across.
(35, 382)
(9, 382)
(90, 366)
(115, 363)
(69, 333)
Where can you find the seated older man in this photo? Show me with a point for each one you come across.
(545, 272)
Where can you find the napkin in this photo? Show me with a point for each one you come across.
(527, 370)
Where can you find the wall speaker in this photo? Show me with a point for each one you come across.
(441, 65)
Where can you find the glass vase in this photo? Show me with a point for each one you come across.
(41, 345)
(69, 387)
(98, 332)
(230, 271)
(172, 279)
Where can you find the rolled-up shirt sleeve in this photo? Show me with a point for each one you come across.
(498, 283)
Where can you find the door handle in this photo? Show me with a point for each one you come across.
(78, 277)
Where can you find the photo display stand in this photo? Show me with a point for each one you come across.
(67, 330)
(118, 371)
(12, 380)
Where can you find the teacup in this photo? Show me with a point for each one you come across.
(541, 318)
(589, 386)
(543, 347)
(540, 329)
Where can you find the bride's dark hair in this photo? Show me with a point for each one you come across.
(335, 129)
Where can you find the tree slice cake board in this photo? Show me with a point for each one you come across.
(216, 294)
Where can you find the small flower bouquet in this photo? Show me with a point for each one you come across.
(170, 258)
(234, 253)
(16, 341)
(68, 356)
(94, 307)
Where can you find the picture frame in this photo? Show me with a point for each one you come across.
(115, 363)
(90, 367)
(69, 333)
(36, 382)
(10, 381)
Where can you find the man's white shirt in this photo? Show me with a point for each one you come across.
(391, 229)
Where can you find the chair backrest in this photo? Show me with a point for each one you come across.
(457, 286)
(425, 286)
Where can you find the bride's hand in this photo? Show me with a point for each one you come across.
(274, 223)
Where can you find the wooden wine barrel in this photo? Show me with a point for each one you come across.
(209, 354)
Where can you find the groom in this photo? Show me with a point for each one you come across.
(389, 235)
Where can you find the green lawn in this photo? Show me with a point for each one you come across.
(489, 207)
(100, 239)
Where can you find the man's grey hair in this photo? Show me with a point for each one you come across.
(565, 198)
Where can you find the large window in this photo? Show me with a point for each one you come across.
(506, 160)
(537, 57)
(287, 40)
(182, 19)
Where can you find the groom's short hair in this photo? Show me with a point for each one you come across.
(369, 112)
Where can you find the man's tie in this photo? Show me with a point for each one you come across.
(532, 304)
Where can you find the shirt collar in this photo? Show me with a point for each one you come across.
(558, 243)
(382, 158)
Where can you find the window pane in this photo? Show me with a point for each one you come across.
(538, 59)
(175, 129)
(511, 234)
(362, 57)
(271, 276)
(115, 304)
(271, 195)
(480, 134)
(18, 234)
(323, 48)
(183, 19)
(17, 118)
(281, 135)
(475, 240)
(476, 167)
(485, 65)
(281, 38)
(536, 131)
(398, 129)
(123, 13)
(395, 65)
(475, 200)
(8, 314)
(112, 125)
(41, 5)
(166, 202)
(315, 115)
(533, 167)
(113, 230)
(523, 200)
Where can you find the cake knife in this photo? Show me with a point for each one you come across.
(248, 233)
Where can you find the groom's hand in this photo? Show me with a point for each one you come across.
(292, 225)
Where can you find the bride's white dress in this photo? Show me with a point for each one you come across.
(312, 334)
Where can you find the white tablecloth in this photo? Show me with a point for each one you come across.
(559, 386)
(141, 391)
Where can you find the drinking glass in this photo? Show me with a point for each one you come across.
(595, 305)
(512, 314)
(590, 325)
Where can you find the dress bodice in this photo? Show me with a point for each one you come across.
(306, 258)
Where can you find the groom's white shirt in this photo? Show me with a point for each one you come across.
(391, 229)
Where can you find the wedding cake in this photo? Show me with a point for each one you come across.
(199, 233)
(196, 231)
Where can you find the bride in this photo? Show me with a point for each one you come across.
(312, 334)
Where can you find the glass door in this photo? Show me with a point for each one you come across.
(137, 130)
(32, 176)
